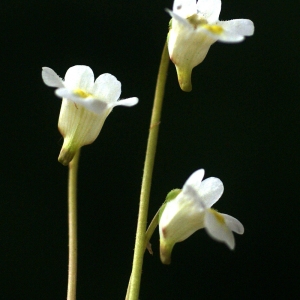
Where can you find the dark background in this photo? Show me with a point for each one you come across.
(240, 123)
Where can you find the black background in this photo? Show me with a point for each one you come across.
(240, 123)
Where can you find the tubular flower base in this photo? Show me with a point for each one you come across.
(194, 27)
(191, 210)
(85, 105)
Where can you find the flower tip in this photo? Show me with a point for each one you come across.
(230, 244)
(165, 253)
(184, 79)
(168, 11)
(128, 102)
(165, 260)
(134, 101)
(185, 87)
(50, 78)
(66, 155)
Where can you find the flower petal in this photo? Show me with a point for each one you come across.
(79, 77)
(209, 9)
(243, 27)
(50, 78)
(179, 19)
(227, 37)
(95, 105)
(210, 191)
(234, 224)
(217, 228)
(127, 102)
(65, 93)
(180, 219)
(185, 8)
(194, 181)
(107, 88)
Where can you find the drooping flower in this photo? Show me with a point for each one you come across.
(194, 27)
(85, 105)
(190, 210)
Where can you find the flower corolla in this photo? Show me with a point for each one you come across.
(190, 210)
(85, 106)
(194, 27)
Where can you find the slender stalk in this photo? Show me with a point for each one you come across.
(148, 235)
(72, 220)
(147, 177)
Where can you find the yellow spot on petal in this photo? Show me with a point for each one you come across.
(215, 29)
(218, 216)
(81, 93)
(196, 21)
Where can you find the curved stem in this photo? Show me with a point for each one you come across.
(72, 221)
(147, 177)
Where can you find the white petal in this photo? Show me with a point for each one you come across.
(217, 229)
(193, 181)
(185, 8)
(50, 78)
(179, 19)
(79, 77)
(127, 102)
(220, 34)
(230, 37)
(95, 105)
(209, 9)
(180, 219)
(107, 88)
(243, 27)
(234, 224)
(210, 191)
(65, 93)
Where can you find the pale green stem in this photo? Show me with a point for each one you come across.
(72, 221)
(147, 177)
(148, 236)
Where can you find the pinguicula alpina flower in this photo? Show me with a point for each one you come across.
(85, 106)
(190, 210)
(194, 27)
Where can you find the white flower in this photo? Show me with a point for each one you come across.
(194, 28)
(85, 105)
(191, 210)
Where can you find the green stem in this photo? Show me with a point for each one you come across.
(147, 177)
(148, 236)
(72, 220)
